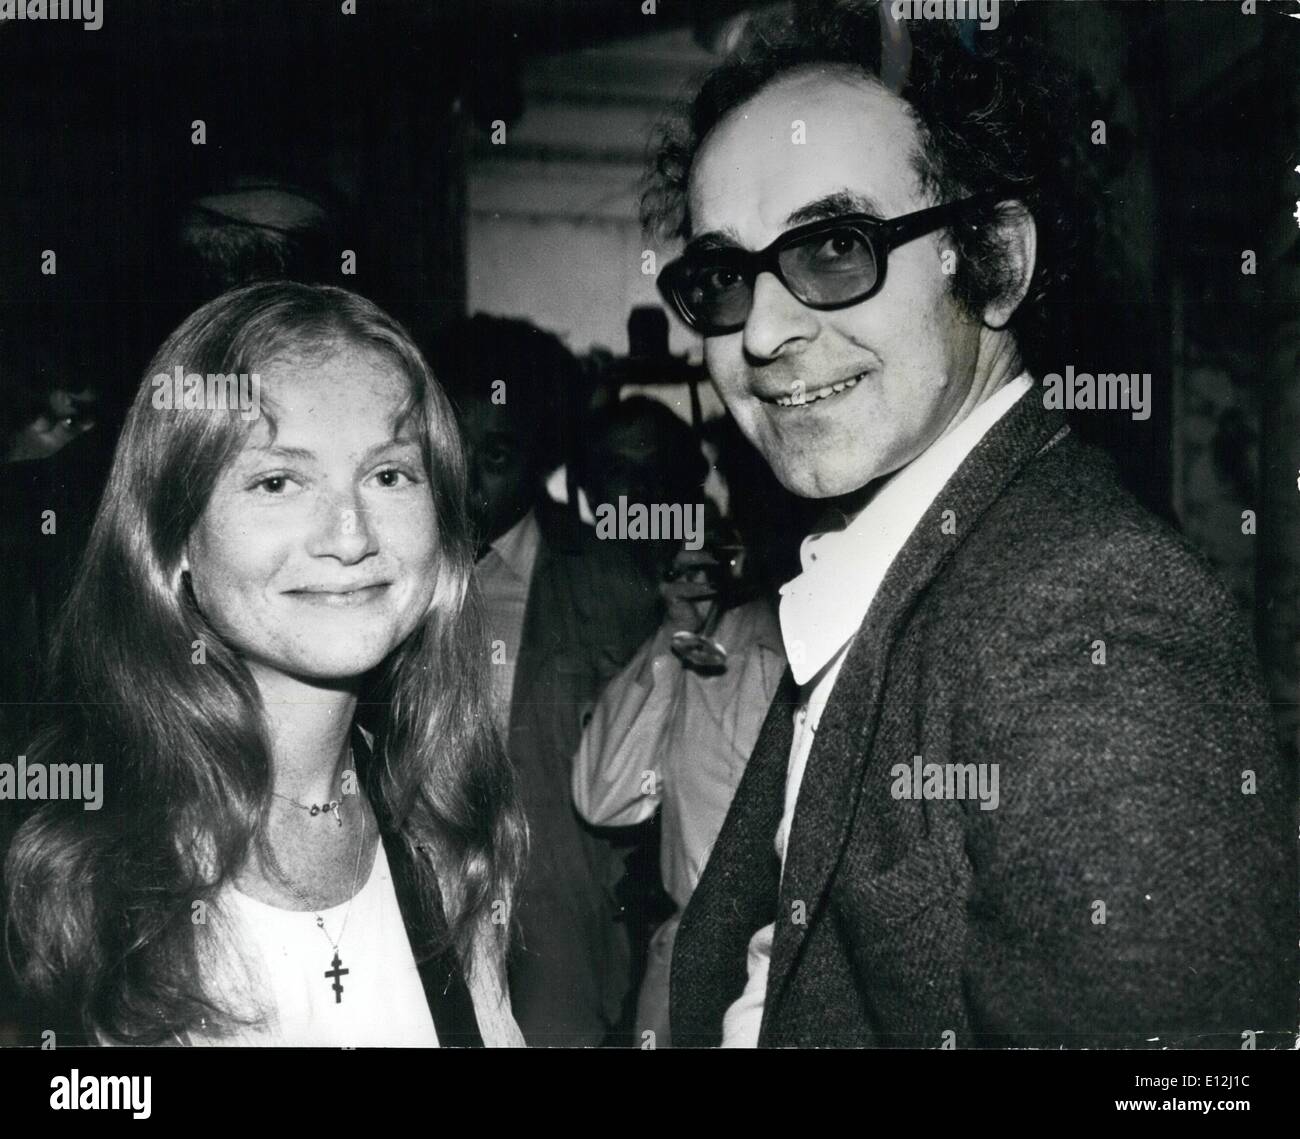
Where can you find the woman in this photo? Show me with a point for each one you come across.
(309, 833)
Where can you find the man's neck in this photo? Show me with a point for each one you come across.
(998, 363)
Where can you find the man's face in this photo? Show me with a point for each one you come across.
(910, 348)
(503, 474)
(633, 461)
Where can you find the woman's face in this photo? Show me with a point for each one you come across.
(317, 553)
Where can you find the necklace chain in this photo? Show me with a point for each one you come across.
(356, 877)
(356, 873)
(315, 809)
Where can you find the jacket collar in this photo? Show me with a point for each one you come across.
(833, 778)
(737, 892)
(843, 568)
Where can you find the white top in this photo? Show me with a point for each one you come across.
(821, 612)
(286, 958)
(662, 733)
(504, 575)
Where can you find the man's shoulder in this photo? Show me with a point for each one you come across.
(1066, 523)
(1065, 571)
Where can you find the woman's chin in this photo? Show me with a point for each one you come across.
(333, 664)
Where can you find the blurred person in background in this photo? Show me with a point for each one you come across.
(673, 731)
(564, 612)
(640, 450)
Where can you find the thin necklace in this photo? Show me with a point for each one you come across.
(315, 809)
(335, 972)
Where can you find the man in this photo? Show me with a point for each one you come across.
(565, 612)
(1020, 788)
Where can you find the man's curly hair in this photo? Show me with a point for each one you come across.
(992, 111)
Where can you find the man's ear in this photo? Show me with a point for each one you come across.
(1017, 235)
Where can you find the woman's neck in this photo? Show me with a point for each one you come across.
(308, 726)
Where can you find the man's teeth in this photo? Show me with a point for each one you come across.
(819, 393)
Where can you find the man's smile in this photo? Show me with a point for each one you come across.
(804, 398)
(798, 393)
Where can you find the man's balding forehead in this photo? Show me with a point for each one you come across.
(846, 200)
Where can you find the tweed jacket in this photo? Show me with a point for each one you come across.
(1132, 888)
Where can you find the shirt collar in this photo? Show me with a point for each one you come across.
(823, 607)
(517, 547)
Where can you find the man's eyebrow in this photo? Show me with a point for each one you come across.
(829, 206)
(725, 238)
(834, 205)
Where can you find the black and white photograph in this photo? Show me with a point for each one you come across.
(649, 526)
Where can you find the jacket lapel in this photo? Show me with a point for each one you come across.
(833, 778)
(736, 892)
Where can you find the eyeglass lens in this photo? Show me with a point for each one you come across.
(829, 267)
(826, 268)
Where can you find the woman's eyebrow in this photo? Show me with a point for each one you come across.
(399, 440)
(281, 451)
(278, 450)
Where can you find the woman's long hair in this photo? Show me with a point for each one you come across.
(103, 902)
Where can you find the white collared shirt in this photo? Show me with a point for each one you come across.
(821, 612)
(504, 574)
(665, 737)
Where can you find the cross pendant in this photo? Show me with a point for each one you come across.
(334, 806)
(337, 972)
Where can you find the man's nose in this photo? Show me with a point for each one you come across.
(343, 530)
(777, 322)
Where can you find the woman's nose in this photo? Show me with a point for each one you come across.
(343, 530)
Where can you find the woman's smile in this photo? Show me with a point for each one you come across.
(341, 598)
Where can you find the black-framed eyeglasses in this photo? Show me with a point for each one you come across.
(826, 264)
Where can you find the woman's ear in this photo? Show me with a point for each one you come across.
(1017, 236)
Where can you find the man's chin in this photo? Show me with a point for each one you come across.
(813, 482)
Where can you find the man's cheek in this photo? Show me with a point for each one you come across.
(720, 358)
